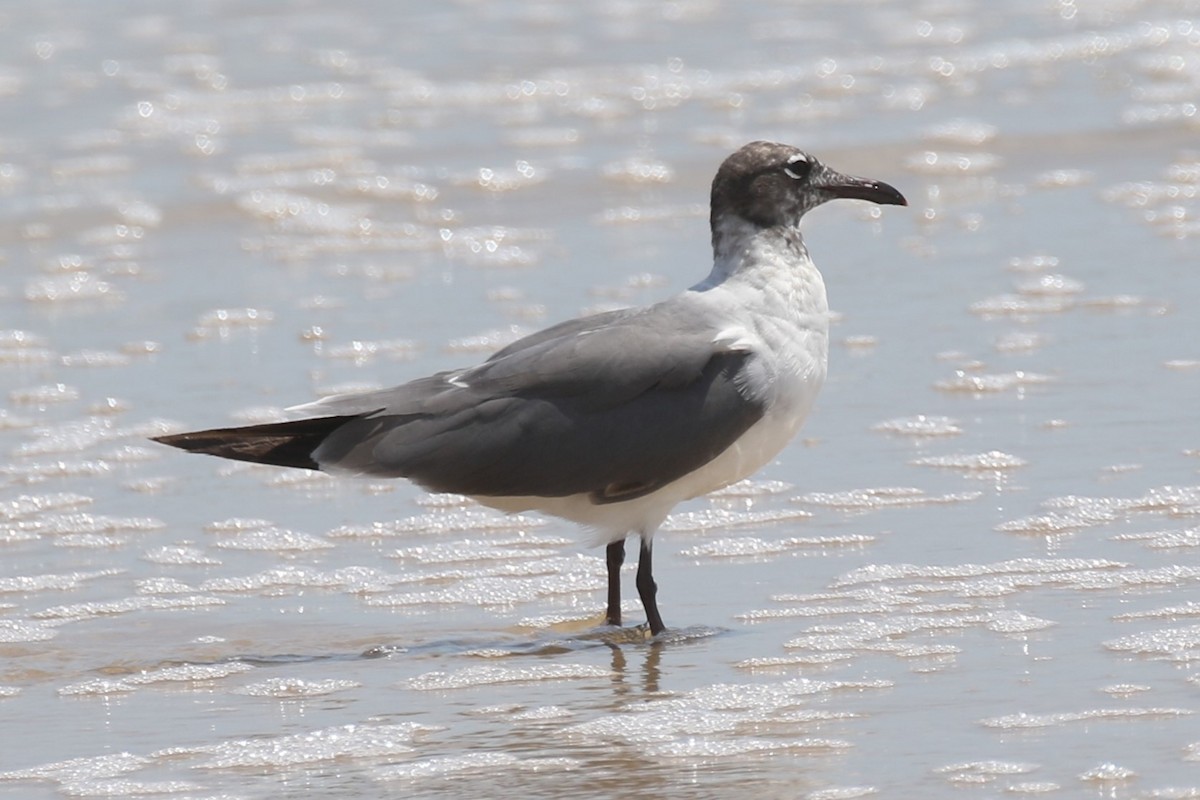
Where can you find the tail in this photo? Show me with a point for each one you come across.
(284, 444)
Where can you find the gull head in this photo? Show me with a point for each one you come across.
(773, 185)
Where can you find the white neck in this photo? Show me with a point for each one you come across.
(771, 262)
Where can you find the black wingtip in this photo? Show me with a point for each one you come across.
(286, 444)
(171, 439)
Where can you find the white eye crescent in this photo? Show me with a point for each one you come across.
(798, 166)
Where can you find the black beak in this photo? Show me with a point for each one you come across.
(845, 186)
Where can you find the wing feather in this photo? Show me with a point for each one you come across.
(614, 408)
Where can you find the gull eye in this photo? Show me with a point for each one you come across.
(798, 167)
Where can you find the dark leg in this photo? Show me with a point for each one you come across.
(615, 556)
(648, 590)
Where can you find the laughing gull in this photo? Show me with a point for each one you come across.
(612, 419)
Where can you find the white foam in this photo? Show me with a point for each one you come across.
(467, 520)
(1174, 644)
(841, 793)
(184, 673)
(15, 339)
(1007, 621)
(312, 747)
(1107, 773)
(822, 611)
(1022, 305)
(961, 131)
(1033, 263)
(471, 677)
(446, 765)
(180, 555)
(1125, 689)
(503, 586)
(716, 709)
(1019, 342)
(52, 582)
(751, 488)
(350, 579)
(503, 179)
(24, 630)
(493, 246)
(542, 714)
(789, 663)
(237, 525)
(880, 636)
(989, 383)
(361, 351)
(443, 500)
(77, 770)
(162, 585)
(920, 426)
(946, 163)
(273, 540)
(701, 747)
(991, 461)
(36, 473)
(1051, 284)
(127, 788)
(884, 497)
(1188, 609)
(96, 687)
(286, 688)
(719, 518)
(477, 550)
(95, 358)
(636, 171)
(1165, 540)
(1032, 787)
(989, 770)
(1057, 523)
(1022, 721)
(889, 572)
(74, 287)
(753, 547)
(109, 608)
(488, 341)
(73, 437)
(224, 322)
(83, 522)
(1063, 178)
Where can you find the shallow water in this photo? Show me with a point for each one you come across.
(975, 569)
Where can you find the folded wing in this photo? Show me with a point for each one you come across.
(614, 406)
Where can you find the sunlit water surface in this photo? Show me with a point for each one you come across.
(976, 571)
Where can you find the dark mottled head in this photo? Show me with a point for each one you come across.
(772, 185)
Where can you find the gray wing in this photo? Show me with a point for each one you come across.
(412, 397)
(615, 405)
